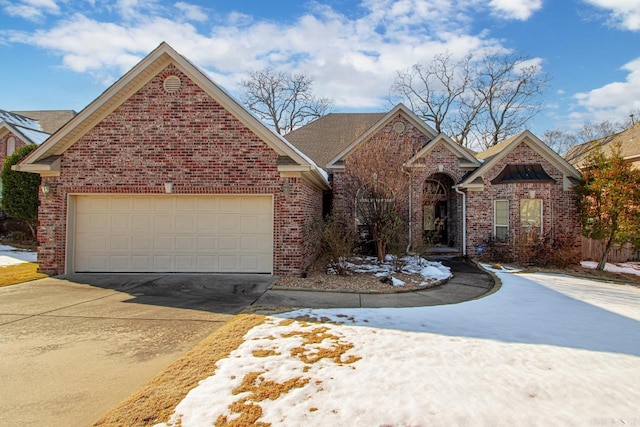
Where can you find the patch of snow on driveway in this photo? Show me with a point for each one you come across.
(543, 350)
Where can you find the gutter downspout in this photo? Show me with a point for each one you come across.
(410, 208)
(464, 220)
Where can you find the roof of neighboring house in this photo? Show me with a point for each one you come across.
(629, 140)
(25, 128)
(49, 120)
(326, 137)
(19, 120)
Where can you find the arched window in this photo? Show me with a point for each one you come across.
(11, 145)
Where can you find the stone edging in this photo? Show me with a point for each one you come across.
(352, 291)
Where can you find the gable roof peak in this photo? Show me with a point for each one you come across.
(127, 85)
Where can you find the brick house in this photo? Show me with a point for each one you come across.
(628, 141)
(457, 197)
(166, 172)
(17, 131)
(20, 128)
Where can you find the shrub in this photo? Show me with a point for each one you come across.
(338, 242)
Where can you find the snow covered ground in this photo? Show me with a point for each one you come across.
(10, 256)
(622, 267)
(544, 350)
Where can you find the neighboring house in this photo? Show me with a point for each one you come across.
(629, 141)
(20, 128)
(470, 197)
(16, 131)
(166, 172)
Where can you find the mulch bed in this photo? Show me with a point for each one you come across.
(317, 279)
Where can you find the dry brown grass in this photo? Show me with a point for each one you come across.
(259, 389)
(156, 401)
(19, 273)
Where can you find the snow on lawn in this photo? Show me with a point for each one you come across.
(624, 267)
(543, 350)
(10, 256)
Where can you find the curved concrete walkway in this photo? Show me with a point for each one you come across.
(468, 282)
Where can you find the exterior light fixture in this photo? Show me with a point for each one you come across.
(168, 187)
(45, 188)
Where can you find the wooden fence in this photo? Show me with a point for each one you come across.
(592, 251)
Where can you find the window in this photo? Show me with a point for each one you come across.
(530, 215)
(501, 219)
(11, 145)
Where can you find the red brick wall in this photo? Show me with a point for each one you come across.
(186, 138)
(3, 146)
(559, 211)
(343, 197)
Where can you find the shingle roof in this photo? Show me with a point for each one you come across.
(495, 149)
(19, 120)
(629, 140)
(49, 120)
(325, 138)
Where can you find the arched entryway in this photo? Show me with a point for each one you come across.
(440, 212)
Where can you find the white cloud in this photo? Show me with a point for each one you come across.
(624, 14)
(613, 101)
(353, 60)
(30, 9)
(191, 12)
(515, 9)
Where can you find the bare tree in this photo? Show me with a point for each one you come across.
(379, 188)
(562, 140)
(473, 101)
(439, 89)
(559, 140)
(283, 100)
(508, 86)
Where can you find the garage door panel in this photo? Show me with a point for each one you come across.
(173, 233)
(164, 263)
(141, 223)
(96, 222)
(185, 224)
(120, 204)
(186, 243)
(163, 223)
(141, 243)
(141, 263)
(186, 204)
(163, 204)
(163, 243)
(143, 204)
(121, 222)
(120, 263)
(206, 224)
(207, 244)
(120, 243)
(229, 224)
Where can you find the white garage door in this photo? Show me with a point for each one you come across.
(172, 233)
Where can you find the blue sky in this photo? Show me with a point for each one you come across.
(61, 54)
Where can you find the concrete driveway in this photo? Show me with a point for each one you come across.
(71, 348)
